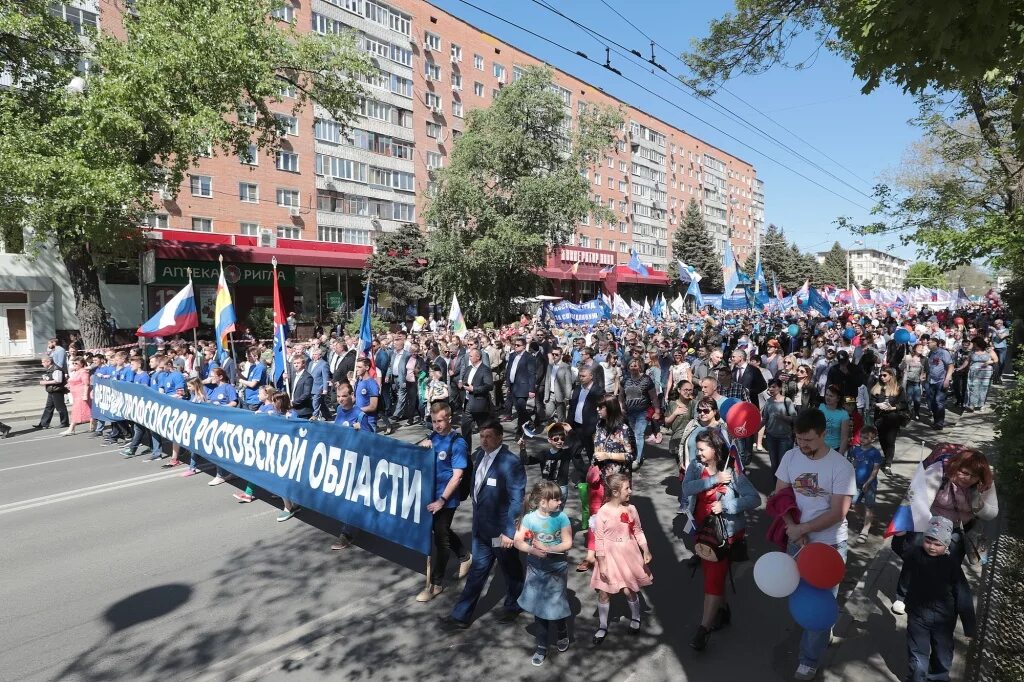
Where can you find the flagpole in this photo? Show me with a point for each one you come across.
(284, 349)
(231, 335)
(195, 334)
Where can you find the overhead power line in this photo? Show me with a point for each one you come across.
(646, 89)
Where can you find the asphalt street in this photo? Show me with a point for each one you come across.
(117, 570)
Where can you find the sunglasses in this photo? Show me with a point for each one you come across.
(557, 438)
(705, 411)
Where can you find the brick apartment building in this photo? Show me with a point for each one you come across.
(319, 201)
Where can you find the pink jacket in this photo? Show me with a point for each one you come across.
(779, 504)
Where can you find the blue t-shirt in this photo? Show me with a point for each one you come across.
(547, 530)
(365, 390)
(257, 373)
(938, 361)
(266, 409)
(172, 382)
(351, 417)
(124, 374)
(834, 424)
(156, 380)
(222, 394)
(104, 371)
(141, 378)
(451, 452)
(864, 460)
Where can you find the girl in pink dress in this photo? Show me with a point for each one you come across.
(78, 388)
(622, 555)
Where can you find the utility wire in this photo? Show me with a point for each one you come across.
(680, 85)
(734, 95)
(667, 101)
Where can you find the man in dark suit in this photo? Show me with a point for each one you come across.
(396, 377)
(748, 376)
(555, 388)
(342, 361)
(582, 413)
(457, 363)
(522, 381)
(499, 486)
(302, 389)
(477, 381)
(589, 361)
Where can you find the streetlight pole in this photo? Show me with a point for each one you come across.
(856, 241)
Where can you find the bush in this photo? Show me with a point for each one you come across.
(377, 325)
(261, 323)
(1010, 442)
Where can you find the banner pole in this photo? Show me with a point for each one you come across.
(195, 330)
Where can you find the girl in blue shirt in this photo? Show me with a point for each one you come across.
(222, 393)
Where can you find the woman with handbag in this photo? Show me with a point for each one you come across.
(891, 413)
(718, 498)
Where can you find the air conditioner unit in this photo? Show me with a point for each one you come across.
(268, 239)
(165, 195)
(436, 110)
(455, 60)
(428, 78)
(412, 41)
(293, 211)
(502, 80)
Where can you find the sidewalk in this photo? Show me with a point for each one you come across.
(21, 400)
(870, 641)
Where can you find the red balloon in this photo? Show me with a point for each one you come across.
(820, 565)
(743, 420)
(959, 321)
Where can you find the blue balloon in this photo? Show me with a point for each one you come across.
(813, 608)
(902, 335)
(793, 330)
(726, 406)
(912, 339)
(849, 333)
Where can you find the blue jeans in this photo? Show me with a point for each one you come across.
(637, 420)
(744, 449)
(914, 396)
(484, 556)
(814, 642)
(777, 446)
(937, 403)
(1000, 368)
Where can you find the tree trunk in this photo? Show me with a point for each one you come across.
(85, 282)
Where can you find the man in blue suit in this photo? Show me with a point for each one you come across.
(321, 374)
(521, 380)
(499, 486)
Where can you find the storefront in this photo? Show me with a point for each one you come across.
(579, 274)
(315, 279)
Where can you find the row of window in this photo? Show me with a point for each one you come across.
(357, 171)
(368, 207)
(327, 130)
(82, 21)
(249, 192)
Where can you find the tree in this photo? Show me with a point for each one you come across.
(398, 266)
(78, 171)
(692, 244)
(833, 270)
(922, 274)
(515, 185)
(867, 284)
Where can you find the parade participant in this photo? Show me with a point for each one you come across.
(914, 372)
(806, 393)
(622, 555)
(142, 378)
(677, 414)
(322, 383)
(777, 415)
(866, 461)
(197, 394)
(265, 406)
(938, 592)
(823, 484)
(711, 487)
(522, 381)
(301, 383)
(255, 377)
(837, 420)
(611, 372)
(367, 394)
(78, 387)
(961, 365)
(476, 384)
(556, 390)
(53, 382)
(1000, 335)
(639, 395)
(772, 360)
(983, 362)
(614, 453)
(940, 375)
(499, 486)
(582, 412)
(221, 392)
(545, 536)
(891, 412)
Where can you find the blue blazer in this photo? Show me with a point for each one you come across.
(497, 507)
(321, 373)
(526, 375)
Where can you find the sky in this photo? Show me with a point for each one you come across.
(822, 104)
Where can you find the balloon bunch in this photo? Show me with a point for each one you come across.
(806, 580)
(904, 335)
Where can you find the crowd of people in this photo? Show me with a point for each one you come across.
(585, 405)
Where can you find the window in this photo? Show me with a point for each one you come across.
(249, 229)
(285, 12)
(354, 6)
(249, 192)
(611, 184)
(287, 90)
(383, 177)
(457, 109)
(494, 93)
(584, 241)
(478, 62)
(622, 186)
(433, 130)
(155, 221)
(478, 89)
(456, 52)
(289, 125)
(499, 71)
(431, 41)
(597, 243)
(81, 20)
(623, 247)
(250, 157)
(434, 160)
(342, 169)
(201, 185)
(432, 100)
(622, 227)
(289, 232)
(611, 244)
(597, 179)
(432, 71)
(403, 212)
(456, 81)
(287, 161)
(288, 197)
(385, 16)
(328, 131)
(401, 86)
(401, 55)
(202, 224)
(343, 235)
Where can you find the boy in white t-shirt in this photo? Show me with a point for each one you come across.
(824, 483)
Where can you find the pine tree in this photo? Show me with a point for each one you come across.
(833, 270)
(398, 266)
(692, 244)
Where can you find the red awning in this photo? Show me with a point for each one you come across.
(260, 255)
(567, 274)
(626, 276)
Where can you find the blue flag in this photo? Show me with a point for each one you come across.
(730, 272)
(635, 265)
(694, 290)
(816, 301)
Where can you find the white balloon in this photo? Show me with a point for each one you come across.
(776, 574)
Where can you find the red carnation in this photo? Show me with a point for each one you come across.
(625, 518)
(528, 536)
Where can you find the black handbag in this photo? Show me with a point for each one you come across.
(712, 543)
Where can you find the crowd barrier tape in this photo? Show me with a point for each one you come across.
(378, 484)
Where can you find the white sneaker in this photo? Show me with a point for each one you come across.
(216, 480)
(898, 607)
(805, 672)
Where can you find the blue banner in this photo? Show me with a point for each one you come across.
(590, 312)
(379, 484)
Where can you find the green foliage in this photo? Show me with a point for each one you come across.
(398, 266)
(79, 170)
(377, 325)
(922, 274)
(261, 322)
(515, 184)
(916, 45)
(1010, 444)
(833, 270)
(692, 244)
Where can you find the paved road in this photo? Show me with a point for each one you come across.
(115, 569)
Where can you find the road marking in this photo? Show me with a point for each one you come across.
(52, 461)
(24, 505)
(33, 440)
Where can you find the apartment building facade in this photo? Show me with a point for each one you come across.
(329, 190)
(882, 269)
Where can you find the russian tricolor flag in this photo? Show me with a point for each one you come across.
(914, 512)
(179, 315)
